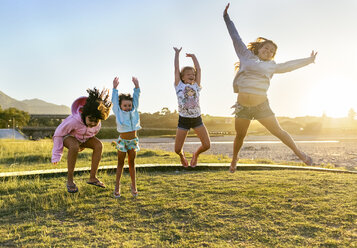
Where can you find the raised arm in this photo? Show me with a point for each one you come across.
(197, 67)
(295, 64)
(240, 48)
(115, 96)
(136, 93)
(177, 65)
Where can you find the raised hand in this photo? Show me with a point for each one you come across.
(177, 65)
(190, 55)
(197, 67)
(135, 81)
(177, 50)
(313, 55)
(226, 10)
(115, 82)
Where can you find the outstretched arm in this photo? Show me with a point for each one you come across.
(177, 65)
(136, 92)
(197, 67)
(115, 82)
(115, 96)
(240, 48)
(295, 64)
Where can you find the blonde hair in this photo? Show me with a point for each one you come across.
(186, 68)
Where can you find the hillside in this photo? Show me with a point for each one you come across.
(32, 106)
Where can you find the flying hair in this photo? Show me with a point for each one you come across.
(97, 104)
(255, 46)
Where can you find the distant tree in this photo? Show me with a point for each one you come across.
(2, 122)
(13, 117)
(351, 114)
(110, 122)
(165, 111)
(43, 122)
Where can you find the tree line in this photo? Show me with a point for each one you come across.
(167, 120)
(13, 118)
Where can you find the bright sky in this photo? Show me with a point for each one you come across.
(55, 50)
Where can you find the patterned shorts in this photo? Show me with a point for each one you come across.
(124, 145)
(260, 111)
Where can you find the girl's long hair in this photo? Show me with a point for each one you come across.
(97, 104)
(254, 46)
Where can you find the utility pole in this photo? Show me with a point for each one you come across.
(13, 127)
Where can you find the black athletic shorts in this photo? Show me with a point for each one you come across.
(187, 123)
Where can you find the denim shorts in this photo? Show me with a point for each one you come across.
(124, 145)
(257, 112)
(187, 123)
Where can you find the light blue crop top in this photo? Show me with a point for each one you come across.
(127, 121)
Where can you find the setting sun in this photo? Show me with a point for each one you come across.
(334, 95)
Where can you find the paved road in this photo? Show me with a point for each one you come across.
(338, 151)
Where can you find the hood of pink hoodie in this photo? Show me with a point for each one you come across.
(73, 125)
(81, 131)
(76, 107)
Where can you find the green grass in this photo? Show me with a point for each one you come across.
(183, 209)
(36, 155)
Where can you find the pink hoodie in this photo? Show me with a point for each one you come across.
(74, 126)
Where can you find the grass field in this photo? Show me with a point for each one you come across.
(36, 155)
(183, 209)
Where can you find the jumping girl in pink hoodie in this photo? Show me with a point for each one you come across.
(78, 131)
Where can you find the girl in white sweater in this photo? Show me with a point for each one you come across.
(256, 68)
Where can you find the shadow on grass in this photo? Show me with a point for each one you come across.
(141, 154)
(146, 154)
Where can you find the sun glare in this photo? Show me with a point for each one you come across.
(334, 96)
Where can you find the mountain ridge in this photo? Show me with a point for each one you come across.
(32, 106)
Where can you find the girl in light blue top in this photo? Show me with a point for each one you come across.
(256, 68)
(126, 112)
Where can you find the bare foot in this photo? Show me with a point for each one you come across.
(117, 192)
(233, 166)
(72, 187)
(134, 191)
(184, 161)
(193, 162)
(96, 182)
(307, 159)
